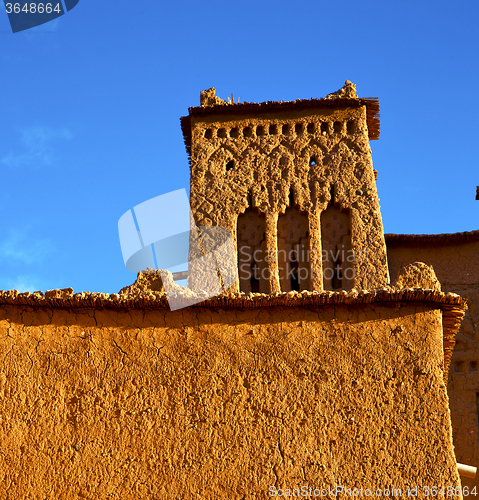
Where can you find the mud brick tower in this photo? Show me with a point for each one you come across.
(252, 395)
(294, 183)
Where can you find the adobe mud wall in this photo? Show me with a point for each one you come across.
(213, 403)
(455, 260)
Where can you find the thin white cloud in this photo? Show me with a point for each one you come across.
(23, 283)
(37, 147)
(17, 246)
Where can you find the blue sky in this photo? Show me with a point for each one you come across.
(91, 102)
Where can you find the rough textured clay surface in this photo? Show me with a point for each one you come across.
(455, 259)
(221, 403)
(417, 275)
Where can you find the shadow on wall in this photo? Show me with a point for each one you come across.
(338, 270)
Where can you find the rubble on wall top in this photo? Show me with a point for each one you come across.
(158, 299)
(345, 97)
(208, 97)
(348, 91)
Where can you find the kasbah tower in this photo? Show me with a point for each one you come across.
(294, 183)
(340, 358)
